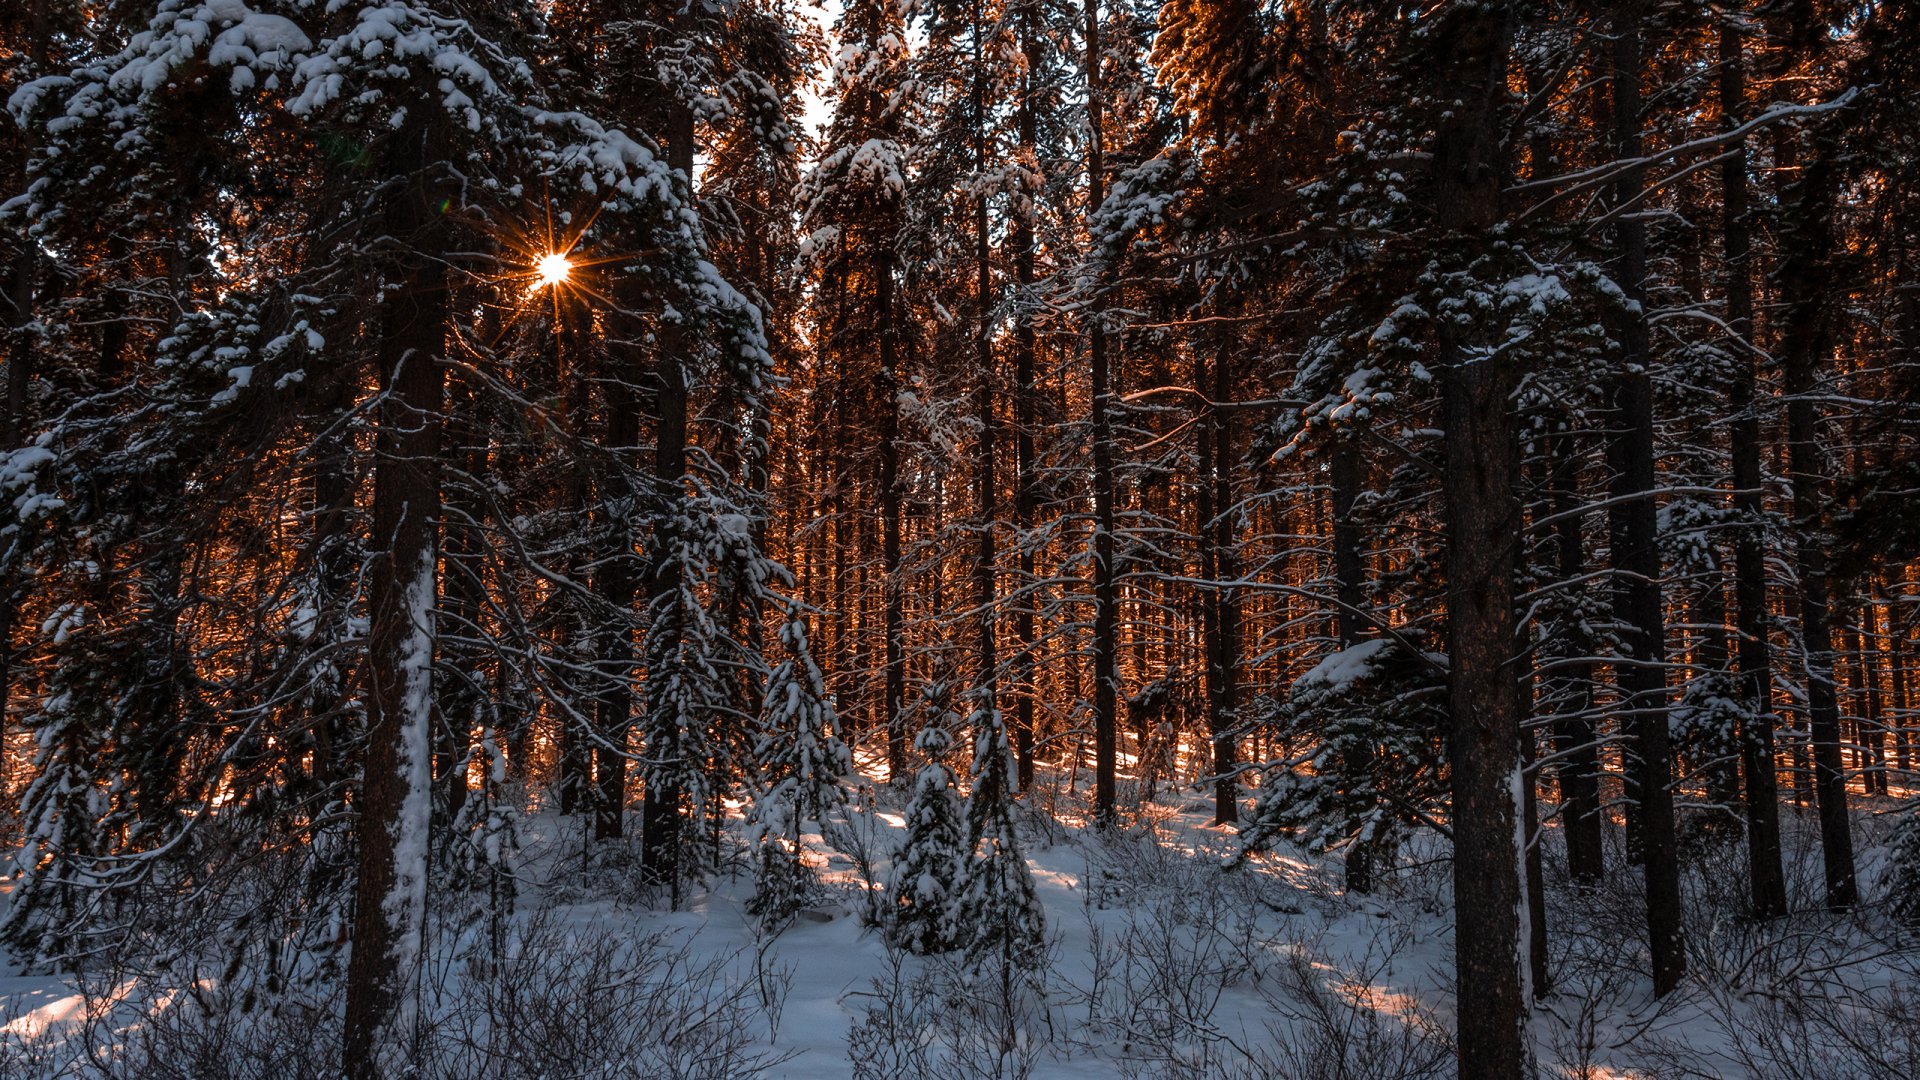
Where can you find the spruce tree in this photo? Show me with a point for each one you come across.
(803, 769)
(1373, 716)
(931, 864)
(854, 202)
(996, 914)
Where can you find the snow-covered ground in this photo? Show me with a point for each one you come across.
(1161, 963)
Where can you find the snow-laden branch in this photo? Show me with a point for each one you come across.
(1605, 173)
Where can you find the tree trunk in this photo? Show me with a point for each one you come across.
(1025, 499)
(1805, 246)
(1823, 707)
(1900, 719)
(1866, 669)
(617, 586)
(1220, 616)
(1106, 601)
(1482, 525)
(20, 367)
(1579, 750)
(661, 822)
(1534, 864)
(1767, 882)
(1488, 863)
(1636, 554)
(579, 637)
(462, 703)
(1226, 701)
(1718, 752)
(335, 561)
(1343, 477)
(394, 806)
(895, 706)
(20, 356)
(987, 493)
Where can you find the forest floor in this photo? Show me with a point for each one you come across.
(1160, 963)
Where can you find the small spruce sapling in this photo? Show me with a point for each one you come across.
(996, 911)
(931, 862)
(805, 767)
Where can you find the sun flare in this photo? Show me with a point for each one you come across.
(553, 269)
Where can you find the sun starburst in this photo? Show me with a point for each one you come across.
(553, 269)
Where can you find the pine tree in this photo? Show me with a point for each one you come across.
(1766, 880)
(1106, 669)
(803, 770)
(996, 914)
(854, 202)
(931, 863)
(58, 813)
(324, 286)
(1373, 717)
(1637, 602)
(109, 558)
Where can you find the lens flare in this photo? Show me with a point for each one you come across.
(553, 269)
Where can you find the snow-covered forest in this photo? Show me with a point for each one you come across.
(1188, 539)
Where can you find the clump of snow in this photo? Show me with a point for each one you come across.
(1338, 671)
(226, 33)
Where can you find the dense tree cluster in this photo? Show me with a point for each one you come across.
(1468, 419)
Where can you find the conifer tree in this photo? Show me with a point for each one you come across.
(996, 914)
(854, 203)
(803, 770)
(931, 863)
(1372, 716)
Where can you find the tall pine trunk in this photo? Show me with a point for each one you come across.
(1766, 881)
(617, 588)
(1579, 750)
(661, 811)
(395, 800)
(578, 636)
(1867, 718)
(463, 703)
(1636, 554)
(1806, 243)
(987, 493)
(1482, 519)
(895, 706)
(1106, 600)
(1343, 479)
(1221, 614)
(1025, 498)
(21, 289)
(335, 561)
